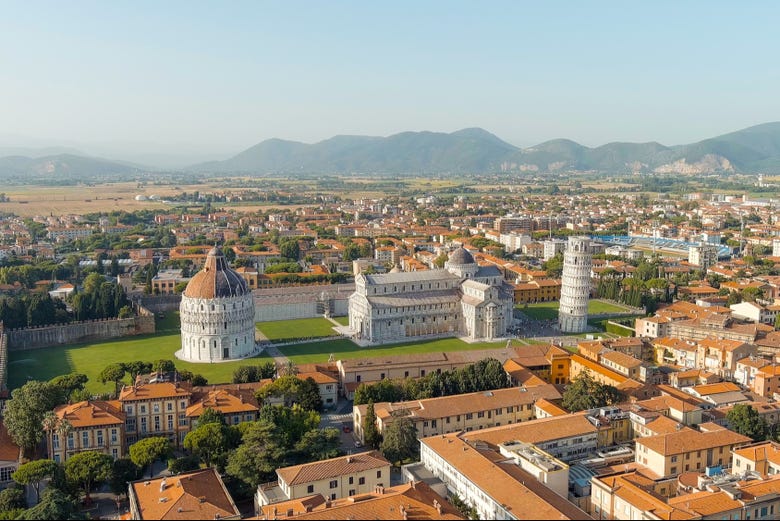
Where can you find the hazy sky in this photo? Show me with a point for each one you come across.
(225, 75)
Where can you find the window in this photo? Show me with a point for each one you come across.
(310, 489)
(156, 407)
(182, 420)
(351, 480)
(100, 438)
(169, 406)
(143, 424)
(352, 492)
(55, 441)
(156, 423)
(378, 473)
(143, 409)
(170, 422)
(113, 435)
(84, 439)
(334, 484)
(361, 481)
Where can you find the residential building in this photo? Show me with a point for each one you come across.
(460, 412)
(767, 380)
(414, 500)
(158, 409)
(9, 457)
(93, 426)
(334, 478)
(192, 495)
(668, 455)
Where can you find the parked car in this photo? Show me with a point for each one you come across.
(346, 427)
(358, 444)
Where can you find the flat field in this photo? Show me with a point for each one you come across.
(549, 310)
(281, 330)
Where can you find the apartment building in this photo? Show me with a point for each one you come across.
(94, 426)
(494, 483)
(158, 409)
(462, 412)
(668, 455)
(414, 500)
(335, 478)
(762, 457)
(767, 380)
(193, 495)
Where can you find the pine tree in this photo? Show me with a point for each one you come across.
(371, 436)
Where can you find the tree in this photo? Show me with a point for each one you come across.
(33, 472)
(88, 468)
(55, 505)
(209, 415)
(211, 442)
(199, 380)
(745, 420)
(752, 294)
(183, 464)
(259, 455)
(163, 366)
(291, 423)
(137, 368)
(320, 444)
(293, 390)
(112, 373)
(148, 450)
(371, 436)
(12, 498)
(400, 440)
(25, 411)
(586, 393)
(67, 384)
(554, 266)
(735, 297)
(123, 471)
(440, 260)
(289, 248)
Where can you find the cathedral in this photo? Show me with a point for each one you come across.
(463, 299)
(217, 314)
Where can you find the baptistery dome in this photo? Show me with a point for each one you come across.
(217, 314)
(216, 279)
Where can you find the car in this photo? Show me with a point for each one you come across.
(358, 444)
(346, 428)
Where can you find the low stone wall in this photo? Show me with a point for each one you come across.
(160, 303)
(87, 331)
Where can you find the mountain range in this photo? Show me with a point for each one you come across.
(473, 150)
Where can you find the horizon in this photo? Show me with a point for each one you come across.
(194, 79)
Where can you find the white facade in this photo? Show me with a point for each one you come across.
(552, 248)
(462, 299)
(776, 248)
(703, 255)
(575, 286)
(217, 329)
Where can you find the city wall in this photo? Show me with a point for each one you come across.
(87, 331)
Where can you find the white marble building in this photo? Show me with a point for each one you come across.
(575, 286)
(461, 299)
(217, 314)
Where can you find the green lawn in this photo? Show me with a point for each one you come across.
(344, 321)
(549, 310)
(91, 358)
(301, 328)
(317, 352)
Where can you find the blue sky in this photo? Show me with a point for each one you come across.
(226, 75)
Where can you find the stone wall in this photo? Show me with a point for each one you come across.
(87, 331)
(160, 303)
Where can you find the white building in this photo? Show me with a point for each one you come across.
(776, 248)
(575, 286)
(462, 299)
(217, 314)
(703, 255)
(553, 247)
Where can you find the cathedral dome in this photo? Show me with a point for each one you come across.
(216, 279)
(461, 256)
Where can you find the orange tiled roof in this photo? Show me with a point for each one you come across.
(154, 391)
(91, 414)
(331, 468)
(195, 495)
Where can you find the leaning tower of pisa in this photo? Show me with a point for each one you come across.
(575, 286)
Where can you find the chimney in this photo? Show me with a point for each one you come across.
(163, 483)
(437, 506)
(327, 503)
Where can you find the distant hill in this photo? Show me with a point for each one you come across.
(62, 165)
(474, 150)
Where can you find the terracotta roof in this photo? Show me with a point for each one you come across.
(691, 440)
(621, 360)
(550, 408)
(216, 279)
(536, 431)
(9, 451)
(90, 414)
(221, 401)
(508, 485)
(154, 391)
(195, 495)
(330, 468)
(716, 388)
(318, 377)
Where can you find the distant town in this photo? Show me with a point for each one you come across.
(509, 346)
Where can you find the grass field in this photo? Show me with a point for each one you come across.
(549, 310)
(317, 352)
(301, 328)
(90, 358)
(344, 321)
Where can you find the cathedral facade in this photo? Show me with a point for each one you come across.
(217, 314)
(463, 299)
